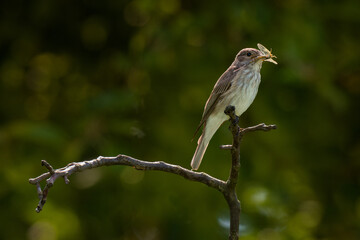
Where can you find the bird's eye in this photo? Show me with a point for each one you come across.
(248, 54)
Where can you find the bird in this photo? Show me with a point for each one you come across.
(238, 87)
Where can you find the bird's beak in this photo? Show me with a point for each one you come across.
(267, 58)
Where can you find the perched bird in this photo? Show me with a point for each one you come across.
(237, 86)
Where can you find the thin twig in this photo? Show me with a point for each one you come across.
(48, 166)
(225, 147)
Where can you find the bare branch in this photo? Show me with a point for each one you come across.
(72, 168)
(230, 194)
(228, 188)
(259, 127)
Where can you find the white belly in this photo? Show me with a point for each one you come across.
(242, 94)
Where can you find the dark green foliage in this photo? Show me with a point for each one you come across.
(80, 79)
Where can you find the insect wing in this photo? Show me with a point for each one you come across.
(263, 49)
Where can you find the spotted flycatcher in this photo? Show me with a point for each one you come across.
(237, 86)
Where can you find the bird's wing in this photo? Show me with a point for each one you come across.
(221, 86)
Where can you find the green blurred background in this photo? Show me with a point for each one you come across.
(79, 79)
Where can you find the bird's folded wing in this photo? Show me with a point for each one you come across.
(222, 85)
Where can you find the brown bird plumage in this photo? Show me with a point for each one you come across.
(237, 86)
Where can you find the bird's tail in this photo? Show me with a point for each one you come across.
(199, 153)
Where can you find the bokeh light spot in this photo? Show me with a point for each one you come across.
(42, 231)
(88, 178)
(256, 195)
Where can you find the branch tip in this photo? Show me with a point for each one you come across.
(66, 179)
(225, 147)
(273, 126)
(48, 166)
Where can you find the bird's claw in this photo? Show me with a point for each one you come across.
(229, 109)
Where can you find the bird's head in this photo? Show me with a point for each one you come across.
(254, 56)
